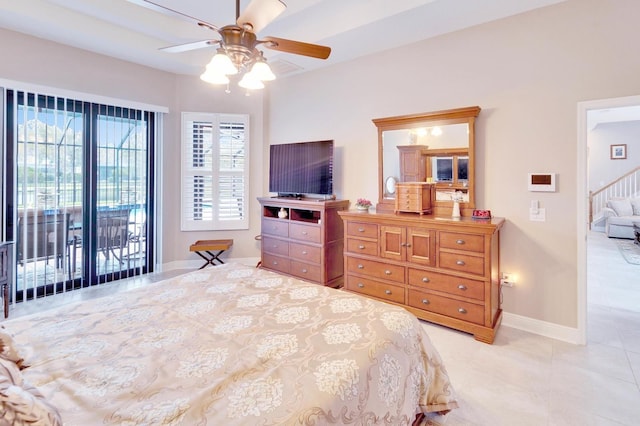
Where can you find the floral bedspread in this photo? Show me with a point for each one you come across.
(233, 345)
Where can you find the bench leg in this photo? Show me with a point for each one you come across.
(211, 259)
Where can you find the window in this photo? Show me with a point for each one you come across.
(215, 171)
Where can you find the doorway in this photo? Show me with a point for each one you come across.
(585, 109)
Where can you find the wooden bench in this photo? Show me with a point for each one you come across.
(206, 248)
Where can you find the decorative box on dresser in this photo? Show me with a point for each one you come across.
(443, 270)
(414, 197)
(304, 238)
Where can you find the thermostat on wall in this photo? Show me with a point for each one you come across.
(542, 182)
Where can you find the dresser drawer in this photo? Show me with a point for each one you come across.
(462, 263)
(277, 227)
(304, 252)
(408, 203)
(403, 190)
(380, 290)
(445, 306)
(446, 283)
(366, 230)
(275, 246)
(375, 269)
(305, 233)
(307, 271)
(276, 263)
(458, 241)
(355, 245)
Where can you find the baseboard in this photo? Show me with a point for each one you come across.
(543, 328)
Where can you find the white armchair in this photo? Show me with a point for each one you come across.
(620, 216)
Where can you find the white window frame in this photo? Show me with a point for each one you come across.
(211, 170)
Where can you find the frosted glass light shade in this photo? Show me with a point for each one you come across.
(213, 77)
(261, 71)
(222, 64)
(248, 82)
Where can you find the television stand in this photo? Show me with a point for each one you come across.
(304, 238)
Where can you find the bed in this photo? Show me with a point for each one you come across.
(227, 345)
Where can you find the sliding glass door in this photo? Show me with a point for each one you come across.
(79, 189)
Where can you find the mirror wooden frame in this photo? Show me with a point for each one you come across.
(429, 119)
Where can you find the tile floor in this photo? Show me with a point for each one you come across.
(526, 379)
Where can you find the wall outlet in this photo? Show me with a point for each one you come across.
(507, 279)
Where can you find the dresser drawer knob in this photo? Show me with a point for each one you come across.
(387, 292)
(360, 266)
(360, 229)
(275, 262)
(304, 232)
(275, 246)
(459, 241)
(360, 285)
(387, 272)
(304, 252)
(462, 310)
(425, 301)
(462, 287)
(304, 271)
(425, 279)
(460, 262)
(361, 247)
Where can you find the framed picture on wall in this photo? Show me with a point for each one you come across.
(619, 152)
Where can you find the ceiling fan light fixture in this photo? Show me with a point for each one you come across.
(262, 71)
(222, 64)
(213, 77)
(250, 82)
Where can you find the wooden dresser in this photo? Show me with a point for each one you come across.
(304, 238)
(442, 270)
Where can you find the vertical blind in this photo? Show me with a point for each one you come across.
(75, 167)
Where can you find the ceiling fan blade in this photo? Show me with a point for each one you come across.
(189, 46)
(170, 12)
(260, 13)
(297, 47)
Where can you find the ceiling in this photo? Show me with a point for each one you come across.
(352, 28)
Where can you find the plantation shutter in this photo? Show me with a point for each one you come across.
(215, 172)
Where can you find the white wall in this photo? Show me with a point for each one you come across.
(527, 73)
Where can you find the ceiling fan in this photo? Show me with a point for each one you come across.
(238, 44)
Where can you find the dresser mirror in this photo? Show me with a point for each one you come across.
(435, 147)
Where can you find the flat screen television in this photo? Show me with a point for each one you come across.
(296, 169)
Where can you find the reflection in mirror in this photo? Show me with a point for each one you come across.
(432, 147)
(390, 187)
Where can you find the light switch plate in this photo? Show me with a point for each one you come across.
(539, 216)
